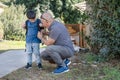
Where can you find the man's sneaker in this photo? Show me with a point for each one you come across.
(28, 66)
(40, 66)
(67, 62)
(60, 69)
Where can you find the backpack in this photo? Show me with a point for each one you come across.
(39, 28)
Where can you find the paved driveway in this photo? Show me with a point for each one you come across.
(12, 60)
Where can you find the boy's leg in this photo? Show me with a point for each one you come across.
(37, 54)
(29, 55)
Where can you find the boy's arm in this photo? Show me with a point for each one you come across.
(24, 26)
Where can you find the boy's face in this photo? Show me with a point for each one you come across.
(32, 20)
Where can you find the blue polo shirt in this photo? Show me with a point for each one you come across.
(32, 30)
(60, 34)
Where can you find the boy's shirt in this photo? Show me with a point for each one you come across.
(32, 30)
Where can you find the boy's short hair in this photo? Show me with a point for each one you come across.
(31, 14)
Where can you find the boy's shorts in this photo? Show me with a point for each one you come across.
(32, 47)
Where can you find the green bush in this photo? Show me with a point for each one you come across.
(62, 9)
(111, 73)
(12, 20)
(1, 31)
(105, 38)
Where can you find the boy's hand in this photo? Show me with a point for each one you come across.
(23, 26)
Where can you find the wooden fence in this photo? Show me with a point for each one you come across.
(77, 31)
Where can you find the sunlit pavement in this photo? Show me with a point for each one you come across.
(12, 60)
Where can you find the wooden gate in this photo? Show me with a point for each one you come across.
(77, 31)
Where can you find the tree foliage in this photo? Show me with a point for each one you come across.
(1, 31)
(61, 8)
(14, 14)
(12, 20)
(105, 38)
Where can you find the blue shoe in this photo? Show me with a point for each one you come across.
(61, 69)
(67, 62)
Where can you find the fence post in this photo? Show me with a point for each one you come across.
(80, 29)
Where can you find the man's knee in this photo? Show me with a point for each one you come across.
(50, 48)
(41, 54)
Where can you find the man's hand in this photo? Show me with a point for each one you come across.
(48, 41)
(39, 35)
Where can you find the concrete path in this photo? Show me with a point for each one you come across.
(12, 60)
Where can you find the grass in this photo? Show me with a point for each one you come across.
(78, 71)
(12, 45)
(82, 68)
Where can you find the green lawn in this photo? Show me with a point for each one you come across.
(9, 45)
(80, 69)
(83, 67)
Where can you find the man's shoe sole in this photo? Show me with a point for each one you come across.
(69, 63)
(61, 72)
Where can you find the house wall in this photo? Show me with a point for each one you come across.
(1, 10)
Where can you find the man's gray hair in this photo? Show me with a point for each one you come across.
(48, 16)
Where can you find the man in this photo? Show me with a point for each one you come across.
(59, 44)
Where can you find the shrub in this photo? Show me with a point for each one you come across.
(12, 20)
(1, 31)
(105, 38)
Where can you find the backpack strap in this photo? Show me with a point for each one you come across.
(38, 22)
(26, 22)
(39, 27)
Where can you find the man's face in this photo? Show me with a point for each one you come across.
(44, 22)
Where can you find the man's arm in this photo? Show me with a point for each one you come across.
(48, 41)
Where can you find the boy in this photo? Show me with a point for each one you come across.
(32, 42)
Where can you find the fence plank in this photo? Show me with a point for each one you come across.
(77, 30)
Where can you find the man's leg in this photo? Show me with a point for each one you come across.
(57, 53)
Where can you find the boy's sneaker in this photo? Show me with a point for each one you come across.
(60, 69)
(40, 66)
(28, 66)
(67, 62)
